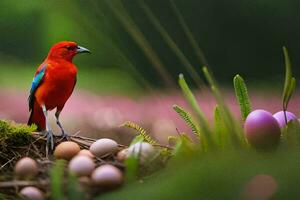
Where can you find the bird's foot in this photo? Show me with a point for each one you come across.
(65, 136)
(49, 142)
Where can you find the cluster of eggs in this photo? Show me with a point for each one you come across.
(81, 163)
(263, 130)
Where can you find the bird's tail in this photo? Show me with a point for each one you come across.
(37, 117)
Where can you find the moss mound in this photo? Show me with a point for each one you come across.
(12, 134)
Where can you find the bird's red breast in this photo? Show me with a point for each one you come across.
(60, 76)
(58, 84)
(55, 81)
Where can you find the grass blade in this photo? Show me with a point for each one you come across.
(184, 146)
(136, 139)
(128, 23)
(242, 96)
(172, 44)
(199, 53)
(57, 178)
(132, 168)
(288, 77)
(204, 127)
(188, 119)
(229, 122)
(289, 83)
(220, 131)
(73, 188)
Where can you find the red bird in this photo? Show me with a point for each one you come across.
(52, 85)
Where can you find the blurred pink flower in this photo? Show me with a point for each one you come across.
(90, 112)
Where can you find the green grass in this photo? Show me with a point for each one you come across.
(216, 176)
(224, 174)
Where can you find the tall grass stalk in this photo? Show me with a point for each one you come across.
(289, 83)
(171, 43)
(206, 133)
(229, 122)
(121, 14)
(199, 53)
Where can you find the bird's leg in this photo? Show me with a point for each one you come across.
(49, 133)
(63, 133)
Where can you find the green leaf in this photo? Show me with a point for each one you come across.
(229, 123)
(289, 92)
(291, 134)
(290, 81)
(73, 188)
(137, 139)
(188, 119)
(132, 168)
(57, 178)
(219, 127)
(189, 96)
(242, 97)
(184, 146)
(191, 99)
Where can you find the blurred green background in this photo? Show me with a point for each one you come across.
(242, 37)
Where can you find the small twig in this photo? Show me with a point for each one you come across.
(7, 163)
(178, 132)
(83, 138)
(38, 136)
(163, 146)
(75, 134)
(45, 161)
(36, 153)
(82, 142)
(123, 146)
(14, 183)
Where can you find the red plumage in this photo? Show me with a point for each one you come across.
(57, 82)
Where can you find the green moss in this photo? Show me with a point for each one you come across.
(12, 134)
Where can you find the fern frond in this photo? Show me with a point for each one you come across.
(188, 119)
(140, 131)
(242, 96)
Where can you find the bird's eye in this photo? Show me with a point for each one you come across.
(70, 47)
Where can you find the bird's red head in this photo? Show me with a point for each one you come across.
(66, 50)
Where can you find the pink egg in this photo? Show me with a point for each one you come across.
(262, 130)
(279, 116)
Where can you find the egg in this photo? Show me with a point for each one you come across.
(66, 150)
(85, 152)
(81, 165)
(262, 130)
(103, 147)
(32, 193)
(107, 176)
(144, 151)
(279, 116)
(122, 155)
(262, 186)
(26, 168)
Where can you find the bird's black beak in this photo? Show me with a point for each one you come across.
(82, 50)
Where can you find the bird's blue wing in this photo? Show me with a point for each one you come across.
(35, 84)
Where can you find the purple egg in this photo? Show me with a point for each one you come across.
(279, 116)
(262, 130)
